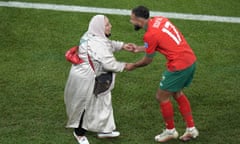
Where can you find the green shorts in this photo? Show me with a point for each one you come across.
(176, 81)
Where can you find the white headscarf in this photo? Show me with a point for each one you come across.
(97, 26)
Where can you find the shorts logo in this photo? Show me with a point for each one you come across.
(145, 44)
(161, 84)
(163, 77)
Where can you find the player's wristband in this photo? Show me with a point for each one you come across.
(150, 55)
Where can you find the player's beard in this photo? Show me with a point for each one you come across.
(137, 27)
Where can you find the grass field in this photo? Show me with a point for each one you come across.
(33, 73)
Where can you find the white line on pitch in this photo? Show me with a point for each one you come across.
(72, 8)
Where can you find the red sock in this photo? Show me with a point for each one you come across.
(167, 113)
(185, 110)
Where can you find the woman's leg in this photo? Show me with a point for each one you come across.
(80, 131)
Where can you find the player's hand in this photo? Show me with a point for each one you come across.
(138, 49)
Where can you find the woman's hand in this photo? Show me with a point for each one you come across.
(129, 47)
(129, 66)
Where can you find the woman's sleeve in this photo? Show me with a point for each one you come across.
(117, 45)
(104, 54)
(111, 64)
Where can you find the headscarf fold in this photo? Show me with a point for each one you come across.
(97, 26)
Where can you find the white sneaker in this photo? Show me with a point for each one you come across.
(167, 135)
(190, 133)
(109, 135)
(81, 139)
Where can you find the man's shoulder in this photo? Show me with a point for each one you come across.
(157, 20)
(154, 26)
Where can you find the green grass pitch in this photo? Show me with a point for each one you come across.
(33, 73)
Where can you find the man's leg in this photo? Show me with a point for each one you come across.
(186, 112)
(166, 109)
(184, 108)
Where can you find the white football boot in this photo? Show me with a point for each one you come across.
(167, 135)
(190, 133)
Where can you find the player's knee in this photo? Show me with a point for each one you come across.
(158, 98)
(161, 98)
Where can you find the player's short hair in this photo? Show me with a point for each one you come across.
(141, 11)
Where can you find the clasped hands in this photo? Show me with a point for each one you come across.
(131, 47)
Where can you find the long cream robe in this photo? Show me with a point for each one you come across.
(79, 95)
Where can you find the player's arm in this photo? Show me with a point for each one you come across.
(139, 49)
(149, 47)
(143, 62)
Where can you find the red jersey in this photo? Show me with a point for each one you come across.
(164, 37)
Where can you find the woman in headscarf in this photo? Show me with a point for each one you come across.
(86, 110)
